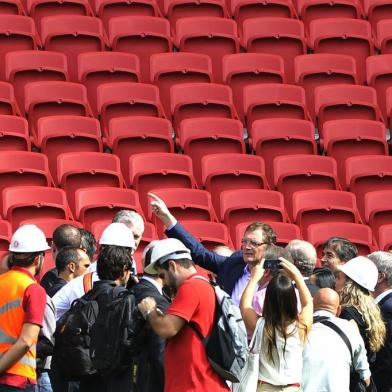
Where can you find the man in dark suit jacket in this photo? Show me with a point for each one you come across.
(150, 374)
(233, 272)
(381, 368)
(304, 256)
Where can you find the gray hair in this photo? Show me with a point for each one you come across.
(304, 255)
(383, 262)
(129, 218)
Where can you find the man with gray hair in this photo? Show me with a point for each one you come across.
(381, 368)
(133, 220)
(304, 256)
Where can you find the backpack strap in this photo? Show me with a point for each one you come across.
(87, 282)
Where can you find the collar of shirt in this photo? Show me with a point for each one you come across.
(323, 313)
(152, 281)
(24, 270)
(382, 295)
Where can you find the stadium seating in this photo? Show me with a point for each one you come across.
(378, 209)
(383, 39)
(377, 10)
(14, 134)
(384, 237)
(8, 103)
(12, 7)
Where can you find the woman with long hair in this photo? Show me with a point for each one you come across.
(282, 328)
(355, 281)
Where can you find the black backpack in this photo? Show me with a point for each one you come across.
(117, 335)
(72, 338)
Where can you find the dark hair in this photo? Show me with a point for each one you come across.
(280, 310)
(88, 243)
(344, 249)
(324, 278)
(269, 235)
(66, 235)
(185, 263)
(273, 252)
(67, 255)
(112, 260)
(22, 259)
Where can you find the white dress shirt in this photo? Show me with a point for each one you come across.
(327, 360)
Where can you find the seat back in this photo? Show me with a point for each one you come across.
(378, 211)
(14, 134)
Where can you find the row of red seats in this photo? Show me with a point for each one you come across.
(216, 37)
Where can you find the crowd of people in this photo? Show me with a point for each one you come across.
(325, 329)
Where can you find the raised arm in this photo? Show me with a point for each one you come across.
(200, 255)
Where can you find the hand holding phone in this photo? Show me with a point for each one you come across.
(271, 265)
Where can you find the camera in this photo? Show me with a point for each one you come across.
(272, 265)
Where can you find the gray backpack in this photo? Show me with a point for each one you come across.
(227, 345)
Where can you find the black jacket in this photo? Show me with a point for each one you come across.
(150, 376)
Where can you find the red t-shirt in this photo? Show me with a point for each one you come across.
(186, 365)
(34, 303)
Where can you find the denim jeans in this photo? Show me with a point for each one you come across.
(43, 383)
(8, 388)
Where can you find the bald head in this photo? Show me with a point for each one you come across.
(326, 299)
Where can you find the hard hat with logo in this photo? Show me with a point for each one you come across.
(28, 239)
(362, 271)
(118, 234)
(164, 250)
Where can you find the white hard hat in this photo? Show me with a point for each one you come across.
(362, 271)
(28, 239)
(164, 250)
(118, 234)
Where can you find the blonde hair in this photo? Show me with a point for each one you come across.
(354, 295)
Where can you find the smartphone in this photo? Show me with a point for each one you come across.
(272, 265)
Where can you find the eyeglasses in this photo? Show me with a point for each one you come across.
(251, 243)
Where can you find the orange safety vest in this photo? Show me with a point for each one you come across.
(13, 285)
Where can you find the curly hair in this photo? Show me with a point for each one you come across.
(354, 295)
(269, 235)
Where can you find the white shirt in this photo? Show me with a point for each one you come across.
(382, 295)
(327, 360)
(152, 281)
(74, 289)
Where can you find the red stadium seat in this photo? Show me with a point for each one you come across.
(128, 136)
(214, 37)
(384, 237)
(244, 69)
(72, 35)
(360, 235)
(49, 225)
(159, 170)
(368, 173)
(5, 235)
(34, 202)
(321, 69)
(106, 10)
(169, 69)
(23, 168)
(54, 99)
(285, 232)
(377, 10)
(379, 76)
(280, 36)
(189, 100)
(39, 9)
(246, 9)
(302, 172)
(127, 99)
(185, 205)
(142, 36)
(274, 101)
(8, 103)
(96, 68)
(12, 7)
(343, 36)
(336, 102)
(25, 66)
(239, 205)
(347, 138)
(310, 10)
(273, 137)
(210, 234)
(202, 136)
(17, 32)
(60, 134)
(388, 105)
(175, 10)
(321, 205)
(384, 36)
(14, 134)
(222, 172)
(378, 209)
(87, 169)
(94, 204)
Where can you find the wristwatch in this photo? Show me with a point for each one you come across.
(147, 313)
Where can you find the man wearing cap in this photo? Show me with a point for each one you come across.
(233, 272)
(186, 365)
(150, 375)
(117, 234)
(22, 307)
